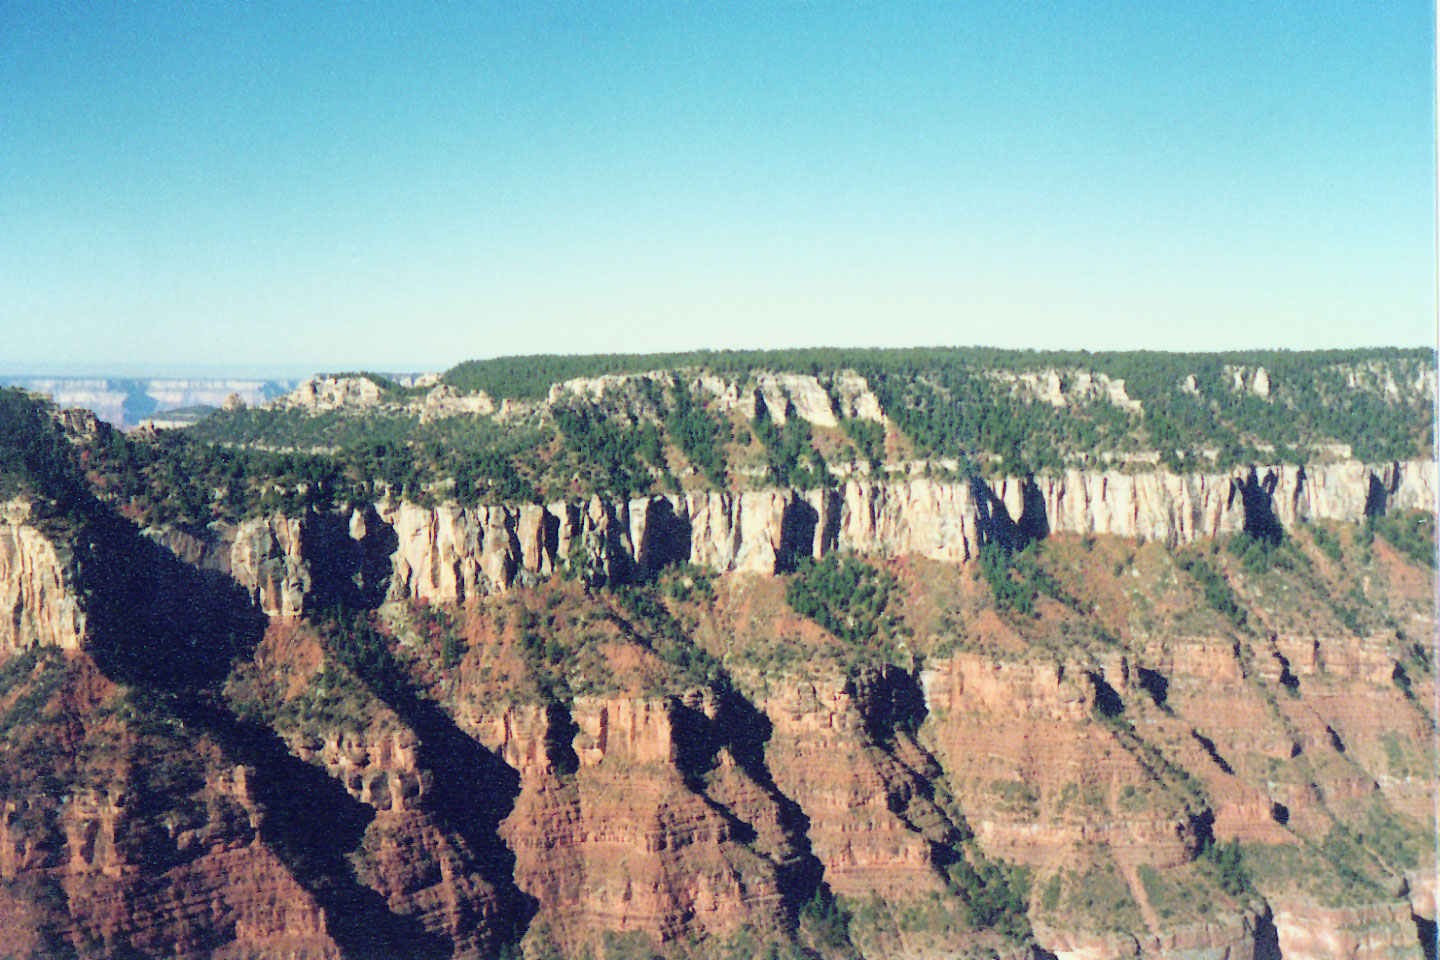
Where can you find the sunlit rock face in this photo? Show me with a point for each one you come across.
(39, 604)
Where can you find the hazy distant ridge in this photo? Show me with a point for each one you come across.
(126, 401)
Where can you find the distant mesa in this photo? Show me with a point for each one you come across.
(127, 402)
(161, 404)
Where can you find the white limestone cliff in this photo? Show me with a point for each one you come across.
(39, 603)
(318, 394)
(450, 553)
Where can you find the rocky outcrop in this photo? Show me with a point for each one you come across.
(39, 603)
(265, 558)
(450, 553)
(787, 393)
(1371, 932)
(318, 394)
(855, 398)
(1064, 388)
(615, 832)
(781, 395)
(873, 824)
(445, 401)
(221, 892)
(1057, 772)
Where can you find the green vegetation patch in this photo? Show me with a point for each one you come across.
(790, 456)
(700, 436)
(29, 681)
(1225, 864)
(845, 595)
(1101, 899)
(467, 459)
(1215, 588)
(615, 455)
(37, 461)
(1410, 532)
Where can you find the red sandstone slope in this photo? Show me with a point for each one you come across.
(690, 768)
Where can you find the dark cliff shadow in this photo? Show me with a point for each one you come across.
(1426, 930)
(892, 704)
(1377, 498)
(666, 539)
(611, 562)
(697, 743)
(471, 789)
(744, 730)
(1208, 746)
(513, 553)
(892, 700)
(1156, 684)
(1107, 701)
(1034, 522)
(171, 632)
(798, 523)
(830, 508)
(560, 733)
(154, 620)
(344, 570)
(550, 537)
(992, 519)
(472, 792)
(313, 824)
(1257, 502)
(1267, 938)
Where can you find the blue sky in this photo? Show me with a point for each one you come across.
(393, 186)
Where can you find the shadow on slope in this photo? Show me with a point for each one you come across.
(172, 632)
(472, 790)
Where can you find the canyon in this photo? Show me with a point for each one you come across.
(573, 657)
(661, 814)
(129, 401)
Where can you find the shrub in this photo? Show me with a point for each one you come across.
(996, 897)
(1217, 592)
(846, 596)
(1327, 542)
(826, 921)
(1227, 864)
(1410, 532)
(1012, 590)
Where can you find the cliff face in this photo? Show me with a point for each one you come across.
(602, 773)
(38, 602)
(616, 832)
(449, 554)
(228, 893)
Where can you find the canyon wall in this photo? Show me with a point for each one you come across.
(449, 553)
(39, 605)
(684, 813)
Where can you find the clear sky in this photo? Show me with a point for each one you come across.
(398, 186)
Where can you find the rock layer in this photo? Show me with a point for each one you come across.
(450, 553)
(39, 605)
